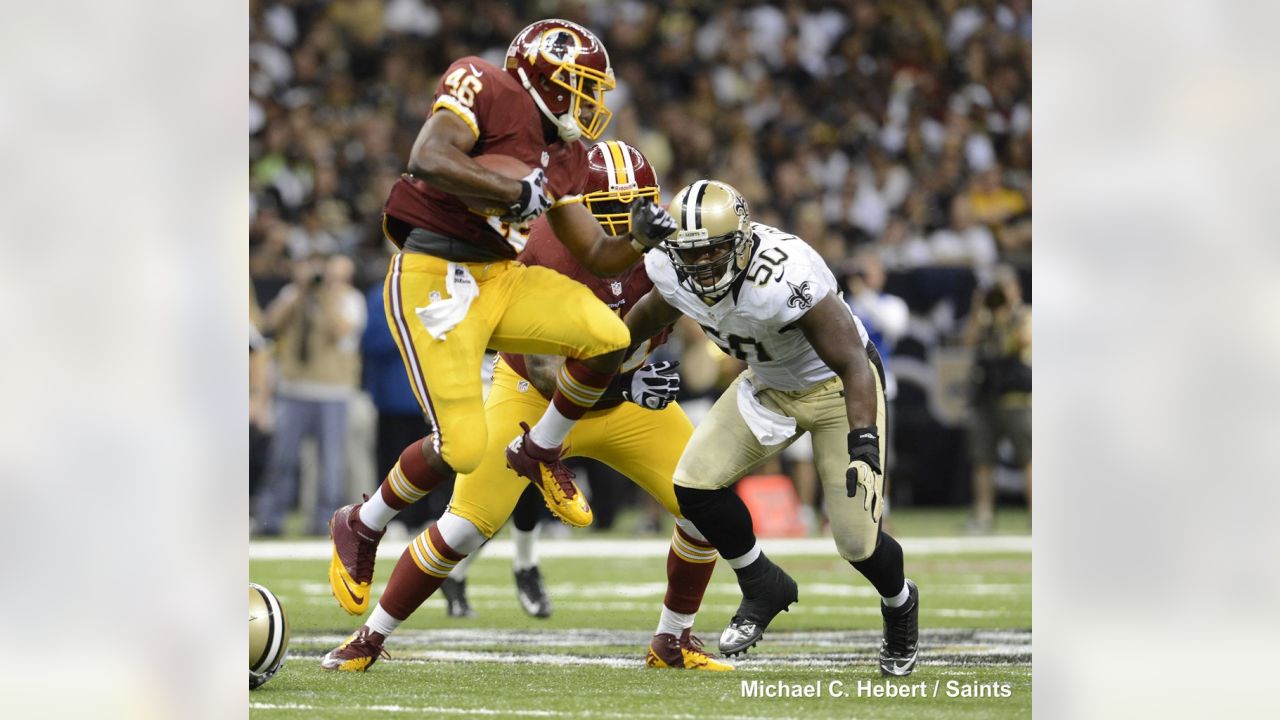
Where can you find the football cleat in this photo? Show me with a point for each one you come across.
(361, 650)
(455, 598)
(543, 468)
(682, 653)
(762, 599)
(900, 645)
(532, 593)
(355, 546)
(268, 635)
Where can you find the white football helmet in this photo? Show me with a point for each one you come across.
(268, 635)
(712, 242)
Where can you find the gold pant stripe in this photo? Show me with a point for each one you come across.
(401, 486)
(577, 392)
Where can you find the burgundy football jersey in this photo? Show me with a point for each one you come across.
(506, 121)
(620, 292)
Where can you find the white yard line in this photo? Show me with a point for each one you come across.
(654, 548)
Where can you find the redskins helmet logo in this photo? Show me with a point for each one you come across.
(560, 46)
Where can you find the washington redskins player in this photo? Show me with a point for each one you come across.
(636, 428)
(454, 289)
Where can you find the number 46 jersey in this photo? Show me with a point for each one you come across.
(757, 319)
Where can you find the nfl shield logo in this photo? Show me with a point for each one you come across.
(616, 287)
(546, 158)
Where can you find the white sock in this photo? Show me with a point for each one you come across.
(899, 599)
(526, 548)
(551, 430)
(744, 560)
(376, 513)
(459, 534)
(673, 623)
(691, 530)
(459, 571)
(380, 621)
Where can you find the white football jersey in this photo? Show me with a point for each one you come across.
(756, 320)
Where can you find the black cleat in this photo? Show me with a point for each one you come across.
(901, 635)
(455, 598)
(532, 593)
(762, 599)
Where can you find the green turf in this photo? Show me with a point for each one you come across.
(586, 660)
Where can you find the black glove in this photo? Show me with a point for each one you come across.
(650, 224)
(533, 199)
(653, 386)
(864, 470)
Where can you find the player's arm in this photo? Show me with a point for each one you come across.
(830, 330)
(607, 255)
(439, 157)
(649, 316)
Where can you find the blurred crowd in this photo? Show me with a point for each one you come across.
(894, 136)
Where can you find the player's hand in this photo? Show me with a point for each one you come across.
(864, 470)
(654, 386)
(650, 223)
(533, 199)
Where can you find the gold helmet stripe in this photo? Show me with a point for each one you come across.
(693, 205)
(626, 157)
(622, 177)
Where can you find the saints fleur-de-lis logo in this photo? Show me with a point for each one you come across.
(801, 295)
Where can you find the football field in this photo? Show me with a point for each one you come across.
(587, 660)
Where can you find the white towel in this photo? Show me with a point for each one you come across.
(443, 315)
(769, 427)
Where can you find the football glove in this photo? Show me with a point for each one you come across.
(650, 224)
(864, 470)
(654, 386)
(533, 199)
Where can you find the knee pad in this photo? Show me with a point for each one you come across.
(692, 500)
(465, 455)
(856, 547)
(459, 533)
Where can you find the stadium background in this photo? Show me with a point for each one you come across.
(893, 130)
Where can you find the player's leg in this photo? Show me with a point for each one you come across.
(531, 591)
(482, 501)
(645, 445)
(857, 530)
(549, 314)
(444, 374)
(721, 449)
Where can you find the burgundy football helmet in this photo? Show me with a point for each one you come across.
(565, 68)
(617, 174)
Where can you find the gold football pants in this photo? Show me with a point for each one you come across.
(644, 445)
(723, 448)
(519, 309)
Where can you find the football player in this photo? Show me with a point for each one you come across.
(454, 289)
(766, 297)
(635, 427)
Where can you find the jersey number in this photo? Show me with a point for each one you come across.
(769, 259)
(737, 346)
(464, 85)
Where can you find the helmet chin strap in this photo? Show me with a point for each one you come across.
(566, 125)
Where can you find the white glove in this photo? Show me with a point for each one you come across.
(654, 386)
(533, 199)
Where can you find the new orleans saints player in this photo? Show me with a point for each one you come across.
(766, 297)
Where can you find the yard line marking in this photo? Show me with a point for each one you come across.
(439, 710)
(655, 548)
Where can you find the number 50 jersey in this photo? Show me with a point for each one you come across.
(757, 318)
